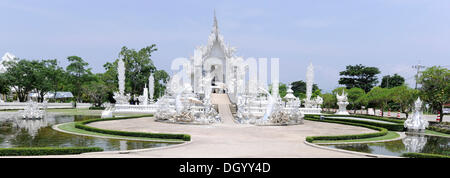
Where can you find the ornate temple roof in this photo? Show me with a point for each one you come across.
(216, 37)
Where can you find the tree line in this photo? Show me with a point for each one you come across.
(392, 94)
(43, 76)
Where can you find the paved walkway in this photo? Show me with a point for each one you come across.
(236, 140)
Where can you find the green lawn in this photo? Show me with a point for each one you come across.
(70, 127)
(436, 133)
(86, 111)
(388, 136)
(83, 111)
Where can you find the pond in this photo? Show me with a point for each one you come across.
(417, 143)
(39, 133)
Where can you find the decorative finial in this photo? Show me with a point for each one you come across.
(418, 103)
(215, 26)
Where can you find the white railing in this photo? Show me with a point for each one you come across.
(22, 105)
(151, 108)
(310, 110)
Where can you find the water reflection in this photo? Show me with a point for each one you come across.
(32, 126)
(415, 143)
(418, 143)
(38, 133)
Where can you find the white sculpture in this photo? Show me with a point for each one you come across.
(416, 122)
(120, 96)
(32, 110)
(151, 87)
(318, 102)
(309, 85)
(311, 105)
(342, 103)
(143, 99)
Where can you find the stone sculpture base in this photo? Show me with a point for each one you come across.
(342, 108)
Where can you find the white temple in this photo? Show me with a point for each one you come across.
(211, 74)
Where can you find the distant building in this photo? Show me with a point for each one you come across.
(7, 57)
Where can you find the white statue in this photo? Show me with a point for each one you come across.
(151, 87)
(416, 122)
(309, 85)
(318, 101)
(120, 96)
(144, 97)
(342, 103)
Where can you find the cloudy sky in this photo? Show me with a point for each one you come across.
(392, 35)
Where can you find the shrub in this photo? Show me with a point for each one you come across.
(96, 108)
(387, 119)
(438, 129)
(424, 155)
(33, 151)
(393, 126)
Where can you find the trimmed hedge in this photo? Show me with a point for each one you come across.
(96, 108)
(393, 127)
(82, 125)
(33, 151)
(387, 119)
(424, 155)
(382, 131)
(437, 129)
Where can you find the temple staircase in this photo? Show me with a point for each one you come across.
(223, 105)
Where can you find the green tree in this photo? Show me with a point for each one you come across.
(282, 90)
(359, 76)
(78, 73)
(20, 76)
(299, 88)
(138, 66)
(161, 79)
(4, 86)
(329, 100)
(96, 91)
(55, 75)
(392, 81)
(436, 87)
(110, 78)
(42, 83)
(380, 97)
(355, 97)
(404, 97)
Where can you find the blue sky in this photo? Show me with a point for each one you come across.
(392, 35)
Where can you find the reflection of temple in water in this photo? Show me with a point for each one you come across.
(414, 143)
(32, 126)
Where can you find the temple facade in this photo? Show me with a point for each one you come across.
(214, 68)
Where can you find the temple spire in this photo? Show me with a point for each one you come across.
(215, 26)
